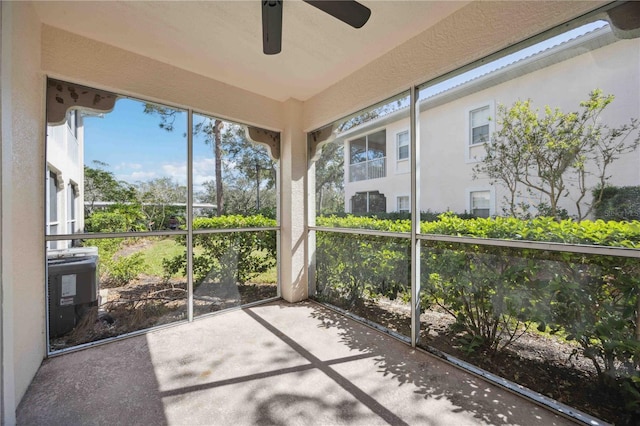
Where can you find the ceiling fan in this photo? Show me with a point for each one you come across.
(348, 11)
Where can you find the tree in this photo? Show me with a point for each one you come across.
(118, 209)
(245, 161)
(555, 155)
(160, 199)
(249, 173)
(251, 163)
(100, 185)
(211, 128)
(330, 179)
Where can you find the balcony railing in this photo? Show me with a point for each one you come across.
(371, 169)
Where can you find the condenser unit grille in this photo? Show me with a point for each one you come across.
(73, 285)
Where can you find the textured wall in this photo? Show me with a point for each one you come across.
(293, 235)
(22, 201)
(473, 32)
(82, 60)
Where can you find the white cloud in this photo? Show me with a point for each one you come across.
(143, 175)
(203, 171)
(177, 172)
(128, 166)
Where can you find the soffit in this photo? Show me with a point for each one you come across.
(222, 40)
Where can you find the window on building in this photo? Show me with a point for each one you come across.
(368, 202)
(479, 126)
(367, 157)
(480, 203)
(72, 199)
(402, 143)
(52, 199)
(72, 122)
(403, 204)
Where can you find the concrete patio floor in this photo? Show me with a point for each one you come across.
(274, 364)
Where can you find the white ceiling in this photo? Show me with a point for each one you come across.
(223, 39)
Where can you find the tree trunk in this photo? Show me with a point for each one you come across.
(257, 187)
(217, 152)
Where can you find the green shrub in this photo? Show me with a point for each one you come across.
(116, 218)
(496, 293)
(229, 257)
(106, 222)
(117, 270)
(618, 203)
(352, 269)
(124, 269)
(492, 293)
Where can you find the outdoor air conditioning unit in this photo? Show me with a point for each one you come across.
(73, 287)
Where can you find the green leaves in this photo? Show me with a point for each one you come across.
(230, 256)
(551, 154)
(495, 294)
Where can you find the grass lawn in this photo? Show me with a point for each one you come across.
(168, 248)
(157, 251)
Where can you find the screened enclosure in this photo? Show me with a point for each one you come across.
(490, 216)
(155, 215)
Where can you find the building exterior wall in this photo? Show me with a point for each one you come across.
(23, 278)
(397, 180)
(473, 32)
(448, 160)
(65, 158)
(447, 166)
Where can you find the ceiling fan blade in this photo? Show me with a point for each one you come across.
(348, 11)
(271, 26)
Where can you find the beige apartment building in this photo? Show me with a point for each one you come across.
(456, 121)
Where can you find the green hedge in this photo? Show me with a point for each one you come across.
(229, 257)
(494, 294)
(619, 203)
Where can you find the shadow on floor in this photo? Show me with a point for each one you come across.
(273, 364)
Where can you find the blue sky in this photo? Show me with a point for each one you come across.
(137, 149)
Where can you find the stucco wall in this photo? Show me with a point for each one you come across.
(448, 161)
(81, 60)
(473, 32)
(292, 208)
(444, 129)
(22, 202)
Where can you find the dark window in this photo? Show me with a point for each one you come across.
(368, 202)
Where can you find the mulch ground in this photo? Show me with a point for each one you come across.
(542, 363)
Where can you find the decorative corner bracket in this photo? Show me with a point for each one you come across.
(265, 137)
(317, 138)
(63, 96)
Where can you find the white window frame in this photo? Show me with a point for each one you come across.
(492, 198)
(53, 175)
(398, 200)
(72, 207)
(72, 122)
(407, 144)
(467, 139)
(368, 164)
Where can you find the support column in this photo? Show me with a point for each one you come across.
(22, 207)
(293, 163)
